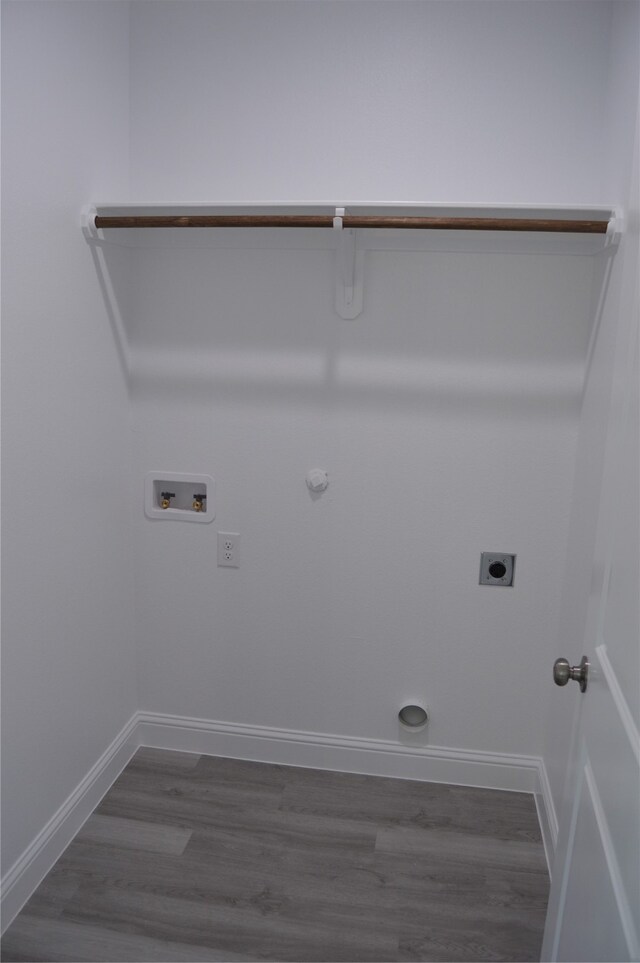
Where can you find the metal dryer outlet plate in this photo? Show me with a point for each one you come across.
(497, 568)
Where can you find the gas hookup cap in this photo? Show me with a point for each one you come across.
(317, 480)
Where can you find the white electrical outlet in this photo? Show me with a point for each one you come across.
(229, 549)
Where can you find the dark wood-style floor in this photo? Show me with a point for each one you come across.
(199, 858)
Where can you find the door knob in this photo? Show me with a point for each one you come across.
(562, 672)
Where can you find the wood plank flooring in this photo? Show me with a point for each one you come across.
(196, 858)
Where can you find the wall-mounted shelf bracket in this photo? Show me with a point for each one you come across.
(615, 228)
(349, 271)
(88, 222)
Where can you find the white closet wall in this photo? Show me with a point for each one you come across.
(493, 102)
(446, 417)
(446, 414)
(618, 172)
(68, 664)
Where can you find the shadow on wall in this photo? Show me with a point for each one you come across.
(248, 320)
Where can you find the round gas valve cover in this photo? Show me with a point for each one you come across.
(317, 480)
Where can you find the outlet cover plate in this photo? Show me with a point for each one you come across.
(229, 549)
(497, 568)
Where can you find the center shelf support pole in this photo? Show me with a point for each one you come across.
(349, 270)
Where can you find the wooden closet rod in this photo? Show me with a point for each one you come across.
(357, 221)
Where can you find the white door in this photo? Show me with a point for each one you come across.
(594, 906)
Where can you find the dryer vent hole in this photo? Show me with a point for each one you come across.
(413, 717)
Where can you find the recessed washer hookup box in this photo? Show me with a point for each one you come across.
(176, 496)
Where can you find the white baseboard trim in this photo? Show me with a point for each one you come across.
(374, 757)
(311, 750)
(32, 866)
(547, 816)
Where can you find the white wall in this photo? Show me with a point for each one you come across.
(68, 662)
(331, 100)
(580, 578)
(446, 414)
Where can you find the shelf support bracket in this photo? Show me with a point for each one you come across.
(88, 223)
(349, 271)
(615, 230)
